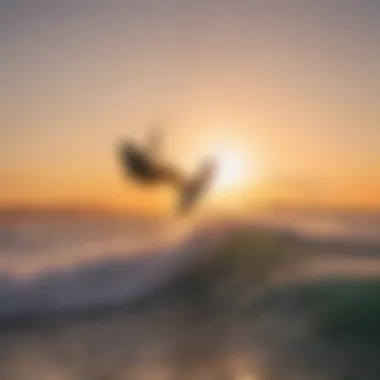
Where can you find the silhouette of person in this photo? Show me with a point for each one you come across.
(144, 166)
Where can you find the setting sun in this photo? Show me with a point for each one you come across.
(232, 170)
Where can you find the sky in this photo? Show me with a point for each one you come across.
(292, 87)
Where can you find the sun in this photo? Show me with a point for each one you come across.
(236, 169)
(232, 170)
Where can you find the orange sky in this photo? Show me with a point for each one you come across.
(293, 89)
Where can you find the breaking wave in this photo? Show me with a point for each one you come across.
(109, 278)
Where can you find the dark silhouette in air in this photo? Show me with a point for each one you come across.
(144, 166)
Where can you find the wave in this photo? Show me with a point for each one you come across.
(225, 247)
(103, 282)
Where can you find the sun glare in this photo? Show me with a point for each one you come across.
(232, 170)
(236, 167)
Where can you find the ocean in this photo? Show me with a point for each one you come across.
(93, 296)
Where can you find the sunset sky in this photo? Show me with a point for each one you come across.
(289, 88)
